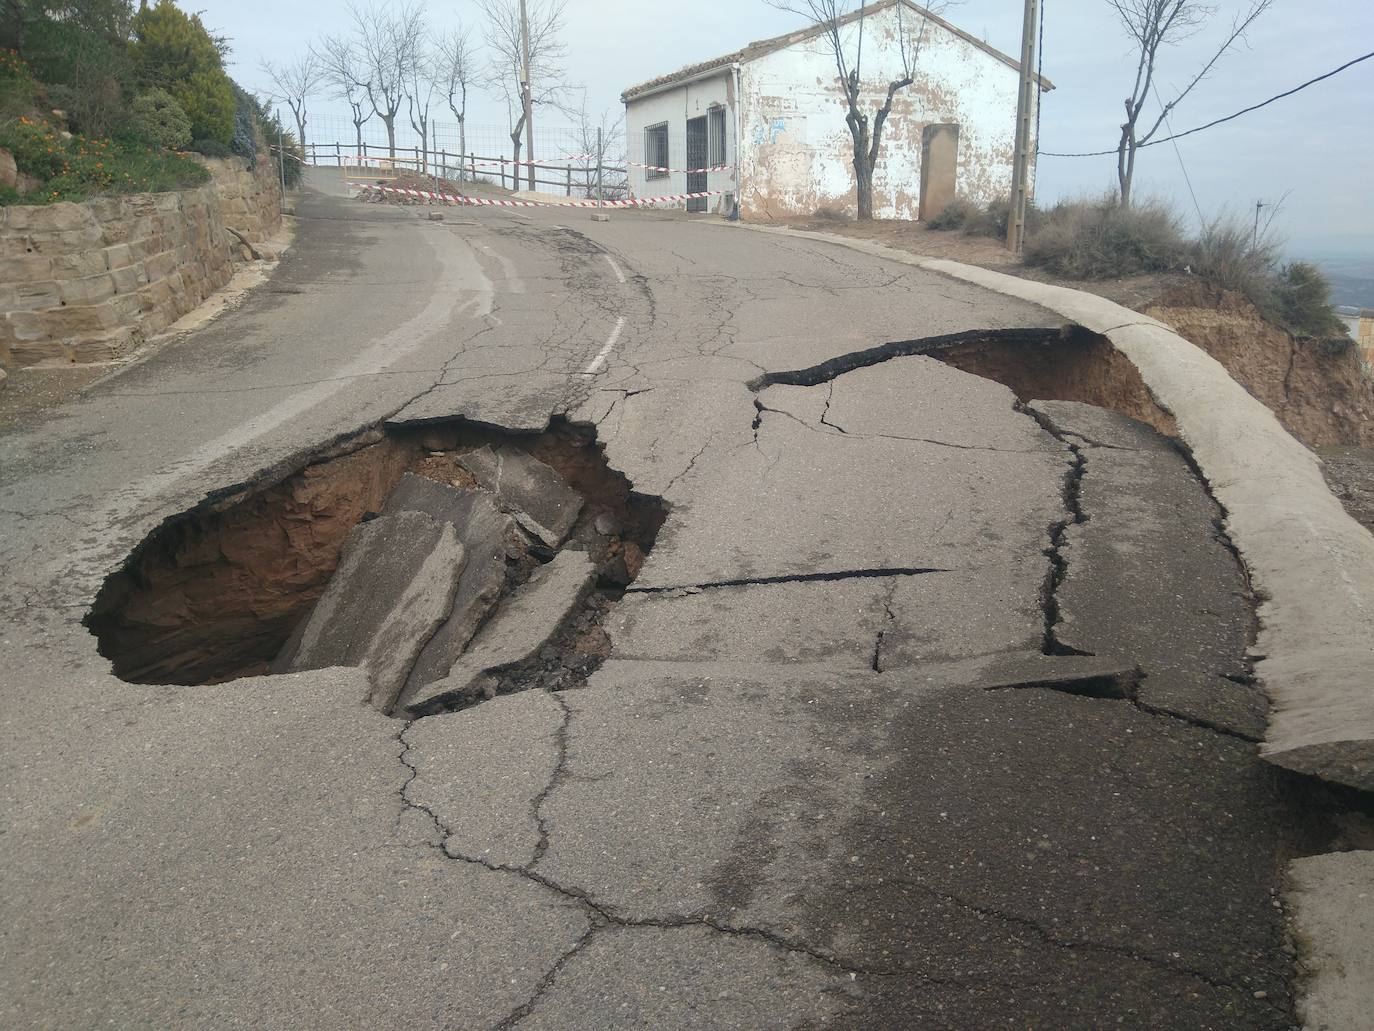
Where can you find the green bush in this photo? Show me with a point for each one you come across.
(173, 50)
(1099, 238)
(87, 75)
(211, 148)
(1303, 296)
(77, 168)
(158, 119)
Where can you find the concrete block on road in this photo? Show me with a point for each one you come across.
(540, 499)
(394, 585)
(514, 635)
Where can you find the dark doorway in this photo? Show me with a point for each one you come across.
(696, 158)
(939, 168)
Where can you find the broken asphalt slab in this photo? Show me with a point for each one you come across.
(524, 623)
(487, 536)
(394, 586)
(1331, 908)
(1144, 572)
(538, 497)
(803, 499)
(1311, 564)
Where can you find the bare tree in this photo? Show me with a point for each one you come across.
(294, 82)
(388, 41)
(343, 74)
(421, 81)
(609, 132)
(1152, 25)
(507, 75)
(842, 24)
(455, 68)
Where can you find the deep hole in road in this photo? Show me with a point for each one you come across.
(216, 592)
(1066, 364)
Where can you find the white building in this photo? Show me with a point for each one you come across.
(774, 114)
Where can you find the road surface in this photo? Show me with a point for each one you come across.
(928, 708)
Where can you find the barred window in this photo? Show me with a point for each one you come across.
(656, 150)
(717, 136)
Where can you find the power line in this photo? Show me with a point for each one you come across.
(1219, 121)
(1202, 222)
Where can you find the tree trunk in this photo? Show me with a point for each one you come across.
(863, 176)
(462, 148)
(390, 124)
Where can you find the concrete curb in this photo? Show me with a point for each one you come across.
(1311, 564)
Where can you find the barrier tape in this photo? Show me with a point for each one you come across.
(456, 198)
(465, 162)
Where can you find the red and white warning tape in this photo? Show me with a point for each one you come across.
(502, 162)
(689, 171)
(454, 198)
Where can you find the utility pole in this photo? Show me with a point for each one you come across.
(1026, 102)
(1254, 239)
(525, 95)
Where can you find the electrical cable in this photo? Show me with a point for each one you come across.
(1219, 121)
(1202, 222)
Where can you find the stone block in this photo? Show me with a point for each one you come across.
(119, 256)
(88, 290)
(102, 347)
(71, 241)
(160, 265)
(37, 296)
(130, 279)
(93, 318)
(76, 266)
(26, 267)
(26, 326)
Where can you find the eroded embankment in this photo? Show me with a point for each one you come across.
(215, 592)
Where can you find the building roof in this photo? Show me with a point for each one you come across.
(763, 47)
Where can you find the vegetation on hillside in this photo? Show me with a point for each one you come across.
(95, 98)
(1099, 238)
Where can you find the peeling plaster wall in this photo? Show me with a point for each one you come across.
(675, 106)
(796, 150)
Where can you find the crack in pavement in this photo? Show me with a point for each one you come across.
(1050, 938)
(794, 578)
(832, 368)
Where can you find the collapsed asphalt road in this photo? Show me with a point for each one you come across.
(928, 708)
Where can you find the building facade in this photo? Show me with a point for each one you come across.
(768, 122)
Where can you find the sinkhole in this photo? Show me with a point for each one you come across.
(414, 552)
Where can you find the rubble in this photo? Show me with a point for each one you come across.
(540, 499)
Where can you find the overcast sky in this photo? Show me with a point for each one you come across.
(1317, 144)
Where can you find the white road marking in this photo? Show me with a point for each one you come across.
(605, 352)
(615, 268)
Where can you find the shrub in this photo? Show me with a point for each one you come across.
(87, 73)
(1229, 255)
(955, 216)
(211, 148)
(1098, 239)
(76, 168)
(1303, 297)
(158, 119)
(173, 50)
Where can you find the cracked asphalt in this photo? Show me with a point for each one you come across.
(851, 762)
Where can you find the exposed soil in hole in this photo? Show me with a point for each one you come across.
(1081, 366)
(214, 593)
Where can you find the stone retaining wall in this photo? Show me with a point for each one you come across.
(88, 282)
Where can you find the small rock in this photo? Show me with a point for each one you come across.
(436, 216)
(1261, 995)
(607, 524)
